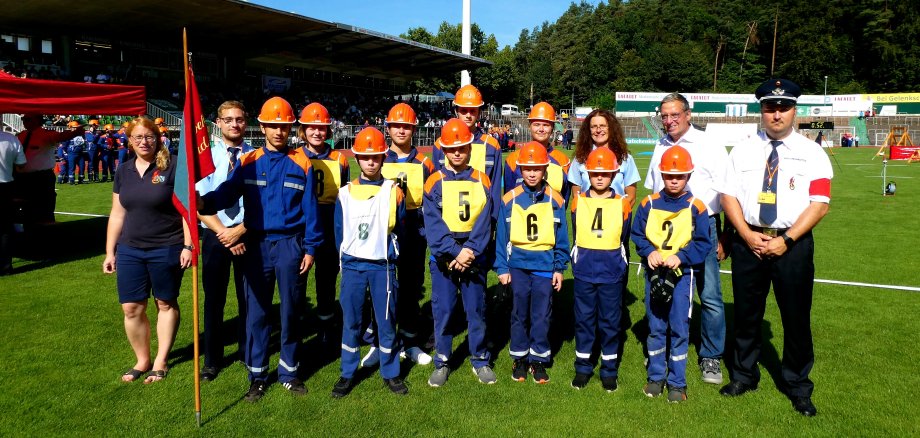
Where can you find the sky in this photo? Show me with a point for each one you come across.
(503, 18)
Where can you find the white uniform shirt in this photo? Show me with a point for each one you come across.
(803, 177)
(208, 184)
(709, 161)
(11, 154)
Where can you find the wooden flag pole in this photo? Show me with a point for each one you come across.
(197, 376)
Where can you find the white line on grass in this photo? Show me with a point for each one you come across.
(80, 214)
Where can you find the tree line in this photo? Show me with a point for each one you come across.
(592, 51)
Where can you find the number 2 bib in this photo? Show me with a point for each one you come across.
(669, 231)
(598, 223)
(461, 204)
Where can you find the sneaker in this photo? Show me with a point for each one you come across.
(538, 370)
(580, 380)
(397, 386)
(439, 377)
(295, 386)
(416, 355)
(256, 391)
(519, 370)
(342, 387)
(371, 359)
(712, 372)
(485, 374)
(208, 373)
(677, 395)
(653, 388)
(609, 383)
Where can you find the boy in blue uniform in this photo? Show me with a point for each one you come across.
(599, 266)
(671, 233)
(531, 247)
(541, 119)
(75, 162)
(458, 227)
(281, 239)
(106, 150)
(91, 150)
(330, 171)
(368, 216)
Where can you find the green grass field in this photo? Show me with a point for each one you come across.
(64, 348)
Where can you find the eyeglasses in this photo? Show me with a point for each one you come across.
(230, 120)
(675, 116)
(599, 127)
(141, 138)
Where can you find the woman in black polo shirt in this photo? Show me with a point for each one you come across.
(149, 244)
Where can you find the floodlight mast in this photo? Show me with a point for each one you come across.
(466, 43)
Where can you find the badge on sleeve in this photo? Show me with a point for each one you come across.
(792, 183)
(766, 198)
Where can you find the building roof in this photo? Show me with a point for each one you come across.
(257, 33)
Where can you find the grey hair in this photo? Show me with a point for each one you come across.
(672, 97)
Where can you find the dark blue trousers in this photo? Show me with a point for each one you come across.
(472, 287)
(530, 315)
(597, 315)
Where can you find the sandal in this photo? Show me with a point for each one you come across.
(156, 376)
(134, 374)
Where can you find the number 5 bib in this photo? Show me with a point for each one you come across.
(533, 228)
(669, 231)
(461, 204)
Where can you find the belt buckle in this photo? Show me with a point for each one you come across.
(772, 232)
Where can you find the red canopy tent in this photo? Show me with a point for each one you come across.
(38, 96)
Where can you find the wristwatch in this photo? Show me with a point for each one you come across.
(188, 247)
(788, 240)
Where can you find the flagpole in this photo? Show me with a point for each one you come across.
(191, 223)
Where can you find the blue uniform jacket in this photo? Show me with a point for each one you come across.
(695, 252)
(493, 170)
(545, 261)
(359, 264)
(277, 196)
(601, 266)
(444, 243)
(91, 143)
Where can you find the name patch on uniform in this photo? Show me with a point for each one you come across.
(766, 198)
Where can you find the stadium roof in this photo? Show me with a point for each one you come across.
(256, 33)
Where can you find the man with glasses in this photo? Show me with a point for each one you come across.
(34, 182)
(221, 244)
(709, 161)
(776, 188)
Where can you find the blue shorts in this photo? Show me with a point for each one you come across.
(141, 269)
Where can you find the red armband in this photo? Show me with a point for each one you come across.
(820, 187)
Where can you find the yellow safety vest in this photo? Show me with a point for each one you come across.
(461, 204)
(598, 223)
(362, 192)
(669, 231)
(555, 176)
(533, 228)
(410, 177)
(477, 157)
(328, 179)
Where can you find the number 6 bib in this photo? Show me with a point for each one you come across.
(533, 228)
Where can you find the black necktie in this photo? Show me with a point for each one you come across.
(768, 210)
(234, 210)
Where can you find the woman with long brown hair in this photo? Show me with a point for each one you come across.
(149, 245)
(602, 129)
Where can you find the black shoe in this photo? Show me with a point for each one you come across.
(208, 373)
(342, 388)
(804, 406)
(609, 383)
(295, 386)
(256, 391)
(538, 370)
(580, 380)
(397, 385)
(736, 388)
(519, 370)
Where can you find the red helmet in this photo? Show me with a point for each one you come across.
(542, 111)
(315, 114)
(276, 110)
(532, 154)
(369, 141)
(468, 96)
(454, 134)
(676, 161)
(602, 159)
(402, 113)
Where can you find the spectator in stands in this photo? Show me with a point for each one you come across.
(11, 157)
(34, 182)
(149, 244)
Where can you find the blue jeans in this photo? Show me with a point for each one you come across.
(709, 287)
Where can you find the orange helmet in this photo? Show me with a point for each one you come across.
(542, 111)
(109, 127)
(532, 154)
(93, 122)
(402, 113)
(676, 161)
(276, 110)
(602, 159)
(73, 124)
(315, 114)
(125, 124)
(158, 120)
(369, 141)
(163, 130)
(454, 134)
(468, 96)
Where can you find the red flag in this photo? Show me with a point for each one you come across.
(195, 160)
